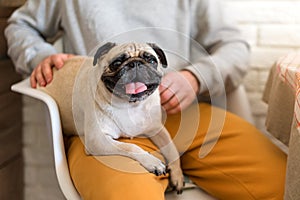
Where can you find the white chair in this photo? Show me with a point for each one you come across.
(240, 107)
(55, 132)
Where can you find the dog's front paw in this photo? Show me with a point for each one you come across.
(176, 177)
(153, 165)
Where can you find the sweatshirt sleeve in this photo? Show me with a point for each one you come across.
(225, 63)
(27, 31)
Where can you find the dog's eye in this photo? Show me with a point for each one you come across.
(149, 58)
(115, 65)
(152, 61)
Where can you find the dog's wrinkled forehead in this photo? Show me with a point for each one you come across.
(131, 49)
(109, 51)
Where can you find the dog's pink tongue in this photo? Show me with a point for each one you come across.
(135, 88)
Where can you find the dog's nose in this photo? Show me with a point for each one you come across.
(134, 64)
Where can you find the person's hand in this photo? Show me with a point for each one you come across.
(178, 90)
(42, 74)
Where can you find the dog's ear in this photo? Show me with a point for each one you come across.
(103, 50)
(160, 53)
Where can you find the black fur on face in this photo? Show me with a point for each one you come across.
(124, 69)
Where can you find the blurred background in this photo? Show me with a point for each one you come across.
(272, 27)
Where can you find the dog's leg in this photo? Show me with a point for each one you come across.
(106, 145)
(99, 141)
(168, 149)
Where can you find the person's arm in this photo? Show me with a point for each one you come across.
(228, 53)
(213, 73)
(28, 29)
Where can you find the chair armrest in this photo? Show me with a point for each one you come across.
(60, 161)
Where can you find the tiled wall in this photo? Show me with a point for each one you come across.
(271, 26)
(273, 29)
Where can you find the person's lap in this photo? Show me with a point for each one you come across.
(221, 153)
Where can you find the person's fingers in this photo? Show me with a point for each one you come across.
(176, 103)
(39, 76)
(58, 61)
(174, 110)
(171, 104)
(47, 72)
(165, 90)
(33, 81)
(70, 55)
(176, 91)
(165, 84)
(166, 95)
(43, 74)
(46, 69)
(183, 104)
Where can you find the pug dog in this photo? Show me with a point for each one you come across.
(118, 97)
(129, 103)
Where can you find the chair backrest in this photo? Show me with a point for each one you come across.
(55, 132)
(238, 103)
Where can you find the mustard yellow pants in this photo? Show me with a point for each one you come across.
(221, 153)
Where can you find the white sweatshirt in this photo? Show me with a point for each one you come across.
(195, 34)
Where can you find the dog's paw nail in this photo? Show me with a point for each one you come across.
(157, 172)
(179, 192)
(174, 188)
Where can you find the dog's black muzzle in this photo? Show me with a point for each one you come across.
(132, 71)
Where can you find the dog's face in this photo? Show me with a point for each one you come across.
(132, 71)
